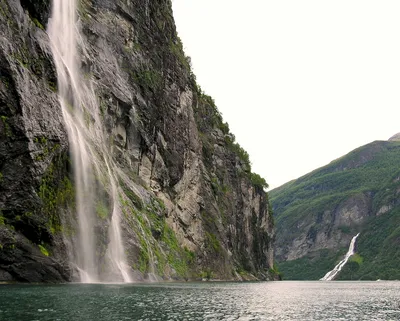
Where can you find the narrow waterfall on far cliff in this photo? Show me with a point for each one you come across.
(95, 183)
(332, 274)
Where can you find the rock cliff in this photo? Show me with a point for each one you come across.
(191, 207)
(318, 214)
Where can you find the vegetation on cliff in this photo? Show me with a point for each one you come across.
(191, 206)
(322, 210)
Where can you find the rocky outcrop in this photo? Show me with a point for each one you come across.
(318, 214)
(191, 206)
(395, 137)
(330, 230)
(33, 150)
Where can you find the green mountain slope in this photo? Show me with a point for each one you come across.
(318, 214)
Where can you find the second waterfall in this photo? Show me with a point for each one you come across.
(95, 180)
(333, 273)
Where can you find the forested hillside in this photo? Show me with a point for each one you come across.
(318, 214)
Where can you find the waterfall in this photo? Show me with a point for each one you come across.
(91, 157)
(332, 274)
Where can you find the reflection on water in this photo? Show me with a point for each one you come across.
(203, 301)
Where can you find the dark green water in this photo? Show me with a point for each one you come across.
(203, 301)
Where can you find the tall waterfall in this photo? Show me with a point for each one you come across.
(91, 157)
(332, 274)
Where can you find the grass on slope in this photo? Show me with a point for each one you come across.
(377, 255)
(379, 247)
(373, 169)
(357, 172)
(311, 267)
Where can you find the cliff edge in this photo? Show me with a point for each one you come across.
(190, 206)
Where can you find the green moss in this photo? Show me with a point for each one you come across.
(312, 267)
(157, 221)
(5, 11)
(345, 229)
(103, 107)
(1, 177)
(169, 238)
(2, 12)
(83, 9)
(2, 220)
(161, 260)
(46, 148)
(219, 188)
(38, 24)
(207, 150)
(7, 128)
(144, 258)
(207, 274)
(21, 59)
(176, 255)
(257, 180)
(56, 193)
(241, 154)
(190, 256)
(133, 197)
(52, 86)
(275, 273)
(5, 81)
(148, 78)
(241, 271)
(215, 185)
(101, 210)
(356, 258)
(212, 242)
(134, 46)
(176, 49)
(158, 242)
(209, 118)
(43, 250)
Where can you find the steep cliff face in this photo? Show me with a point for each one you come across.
(190, 205)
(318, 214)
(33, 150)
(329, 229)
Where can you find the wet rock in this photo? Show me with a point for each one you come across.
(167, 137)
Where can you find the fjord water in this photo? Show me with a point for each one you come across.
(298, 301)
(332, 274)
(91, 157)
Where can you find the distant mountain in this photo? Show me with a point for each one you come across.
(318, 214)
(395, 137)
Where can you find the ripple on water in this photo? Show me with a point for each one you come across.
(333, 301)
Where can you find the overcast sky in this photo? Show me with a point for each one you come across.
(300, 82)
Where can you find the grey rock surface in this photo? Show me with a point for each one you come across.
(177, 162)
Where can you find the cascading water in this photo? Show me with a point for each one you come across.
(90, 154)
(332, 274)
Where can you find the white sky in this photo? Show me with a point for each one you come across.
(300, 82)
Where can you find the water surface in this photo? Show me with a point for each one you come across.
(203, 301)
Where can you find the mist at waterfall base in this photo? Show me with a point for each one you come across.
(285, 300)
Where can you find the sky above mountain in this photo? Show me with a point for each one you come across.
(299, 82)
